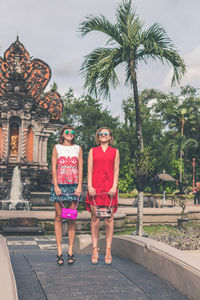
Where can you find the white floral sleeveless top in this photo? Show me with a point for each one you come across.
(67, 164)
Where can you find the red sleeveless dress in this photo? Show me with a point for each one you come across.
(102, 177)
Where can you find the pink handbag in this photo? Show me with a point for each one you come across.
(69, 213)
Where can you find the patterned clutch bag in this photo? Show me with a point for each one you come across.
(103, 212)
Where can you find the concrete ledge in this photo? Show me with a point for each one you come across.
(83, 244)
(8, 287)
(180, 269)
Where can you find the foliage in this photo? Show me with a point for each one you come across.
(168, 110)
(125, 183)
(54, 87)
(181, 200)
(142, 166)
(132, 194)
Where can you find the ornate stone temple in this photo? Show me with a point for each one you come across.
(28, 116)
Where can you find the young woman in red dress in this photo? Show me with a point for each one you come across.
(103, 171)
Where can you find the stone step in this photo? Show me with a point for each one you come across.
(8, 176)
(42, 208)
(13, 159)
(126, 202)
(10, 230)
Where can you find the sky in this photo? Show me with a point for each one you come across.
(49, 31)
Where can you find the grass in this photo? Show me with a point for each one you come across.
(151, 230)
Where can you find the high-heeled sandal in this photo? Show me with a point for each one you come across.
(108, 257)
(60, 260)
(95, 258)
(70, 259)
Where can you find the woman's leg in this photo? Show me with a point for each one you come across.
(71, 230)
(94, 233)
(58, 227)
(198, 198)
(109, 235)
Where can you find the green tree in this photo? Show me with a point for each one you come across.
(128, 44)
(54, 87)
(177, 117)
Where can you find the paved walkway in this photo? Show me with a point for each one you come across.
(38, 276)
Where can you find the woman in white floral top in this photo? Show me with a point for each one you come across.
(67, 173)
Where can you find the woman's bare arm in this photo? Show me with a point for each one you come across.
(91, 190)
(80, 173)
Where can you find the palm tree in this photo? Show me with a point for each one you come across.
(177, 118)
(181, 144)
(128, 44)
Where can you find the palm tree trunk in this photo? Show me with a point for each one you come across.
(138, 116)
(181, 152)
(139, 226)
(181, 164)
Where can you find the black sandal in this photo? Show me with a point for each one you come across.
(60, 260)
(70, 259)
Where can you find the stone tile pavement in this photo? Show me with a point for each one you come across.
(38, 276)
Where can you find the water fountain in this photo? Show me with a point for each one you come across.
(15, 201)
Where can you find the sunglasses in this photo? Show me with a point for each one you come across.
(103, 133)
(69, 132)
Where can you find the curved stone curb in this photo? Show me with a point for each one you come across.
(171, 264)
(8, 287)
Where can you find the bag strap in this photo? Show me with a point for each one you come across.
(67, 195)
(111, 198)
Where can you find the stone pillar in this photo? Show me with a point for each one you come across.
(24, 142)
(40, 150)
(1, 141)
(30, 143)
(35, 147)
(44, 149)
(5, 145)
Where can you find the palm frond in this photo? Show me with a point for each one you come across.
(95, 23)
(98, 70)
(124, 15)
(186, 143)
(128, 23)
(158, 46)
(177, 63)
(155, 37)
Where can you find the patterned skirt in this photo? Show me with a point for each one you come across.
(67, 190)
